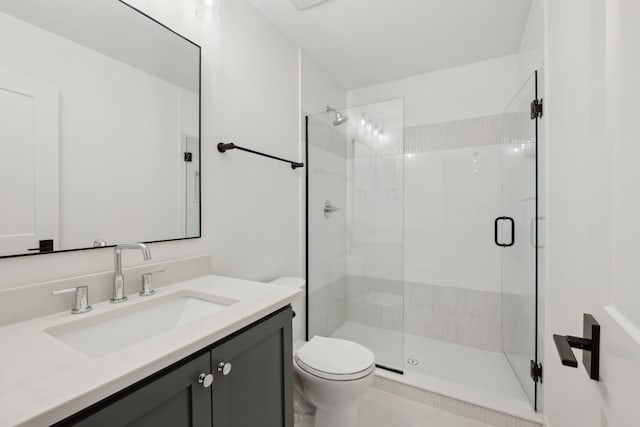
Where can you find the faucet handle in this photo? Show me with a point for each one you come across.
(147, 279)
(81, 303)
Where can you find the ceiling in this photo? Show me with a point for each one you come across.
(116, 30)
(365, 42)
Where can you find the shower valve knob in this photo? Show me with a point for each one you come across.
(329, 208)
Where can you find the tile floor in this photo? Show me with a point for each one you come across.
(380, 409)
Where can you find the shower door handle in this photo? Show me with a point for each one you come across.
(496, 225)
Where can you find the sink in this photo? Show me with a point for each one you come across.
(102, 334)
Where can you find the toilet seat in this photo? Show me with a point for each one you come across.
(335, 359)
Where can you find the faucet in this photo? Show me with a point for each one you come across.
(118, 277)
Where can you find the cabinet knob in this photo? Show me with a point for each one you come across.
(206, 380)
(224, 368)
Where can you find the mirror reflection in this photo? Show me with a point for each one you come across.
(99, 127)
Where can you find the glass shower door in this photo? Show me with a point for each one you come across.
(516, 232)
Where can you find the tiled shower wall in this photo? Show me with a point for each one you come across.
(328, 308)
(461, 316)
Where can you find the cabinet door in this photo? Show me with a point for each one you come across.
(257, 392)
(175, 399)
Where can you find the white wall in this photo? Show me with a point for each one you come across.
(474, 90)
(576, 239)
(531, 50)
(252, 99)
(318, 88)
(251, 218)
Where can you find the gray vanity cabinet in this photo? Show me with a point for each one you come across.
(252, 386)
(257, 388)
(174, 399)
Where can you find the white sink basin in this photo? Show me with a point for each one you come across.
(102, 334)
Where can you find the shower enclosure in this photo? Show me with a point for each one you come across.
(421, 244)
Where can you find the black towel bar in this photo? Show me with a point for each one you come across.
(222, 147)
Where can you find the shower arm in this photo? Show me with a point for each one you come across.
(222, 147)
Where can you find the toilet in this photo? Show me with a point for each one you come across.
(331, 374)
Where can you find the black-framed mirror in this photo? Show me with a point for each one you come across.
(99, 127)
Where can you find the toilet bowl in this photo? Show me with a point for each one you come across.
(334, 374)
(330, 374)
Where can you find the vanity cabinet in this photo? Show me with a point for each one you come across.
(258, 391)
(252, 377)
(174, 399)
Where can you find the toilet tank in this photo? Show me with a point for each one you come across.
(298, 305)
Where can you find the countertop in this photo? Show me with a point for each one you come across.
(42, 380)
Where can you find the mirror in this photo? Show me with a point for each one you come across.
(99, 127)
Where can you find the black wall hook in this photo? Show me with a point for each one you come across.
(589, 344)
(222, 147)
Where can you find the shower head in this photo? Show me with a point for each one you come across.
(340, 118)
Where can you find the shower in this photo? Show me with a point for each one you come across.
(340, 118)
(419, 202)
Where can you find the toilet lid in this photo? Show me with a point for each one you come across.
(334, 358)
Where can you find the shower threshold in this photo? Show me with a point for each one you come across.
(479, 377)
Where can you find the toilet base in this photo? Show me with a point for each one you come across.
(342, 417)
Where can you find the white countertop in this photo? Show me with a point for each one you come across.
(42, 380)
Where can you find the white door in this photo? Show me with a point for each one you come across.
(593, 207)
(28, 163)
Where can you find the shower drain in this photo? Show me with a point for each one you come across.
(413, 362)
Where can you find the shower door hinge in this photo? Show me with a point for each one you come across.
(536, 109)
(188, 157)
(536, 372)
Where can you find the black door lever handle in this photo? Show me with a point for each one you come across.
(589, 344)
(564, 344)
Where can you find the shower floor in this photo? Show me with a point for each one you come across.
(465, 373)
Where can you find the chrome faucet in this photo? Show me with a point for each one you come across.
(118, 277)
